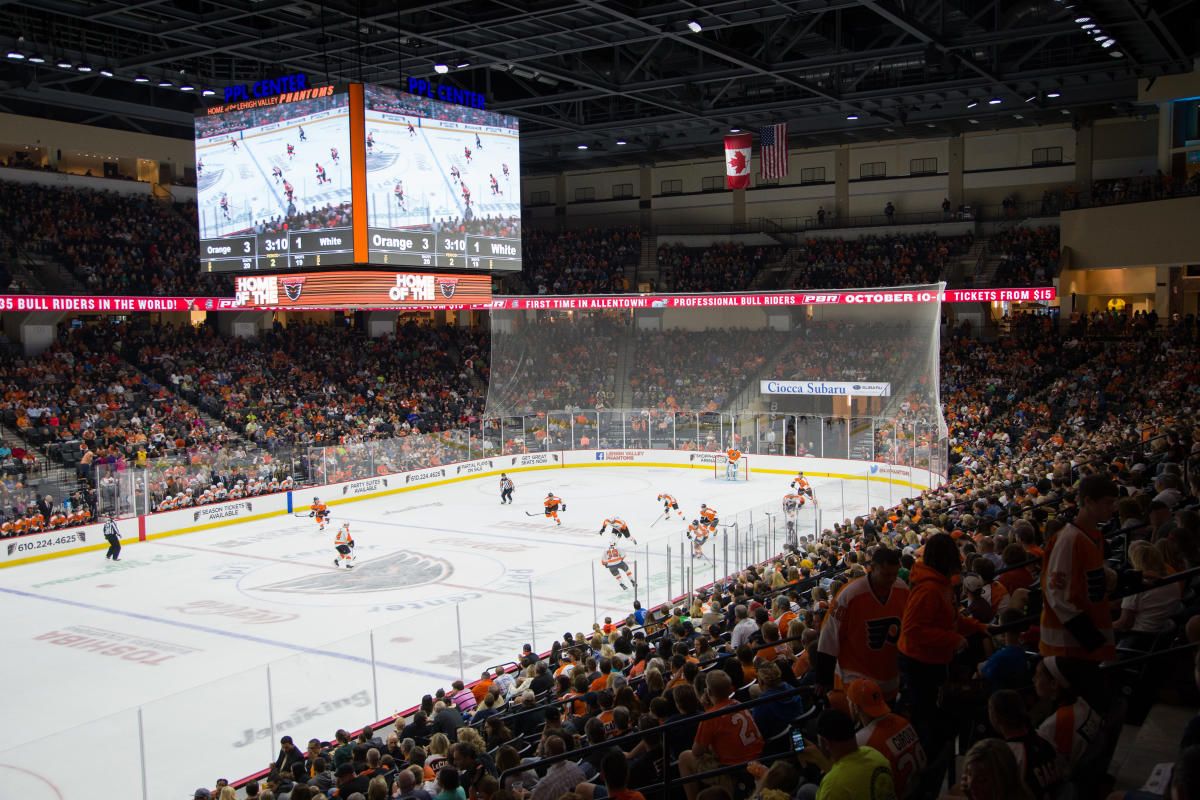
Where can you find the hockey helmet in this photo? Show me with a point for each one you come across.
(695, 522)
(549, 494)
(702, 505)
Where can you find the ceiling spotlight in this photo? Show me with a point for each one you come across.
(106, 72)
(1081, 20)
(165, 84)
(1031, 98)
(1117, 54)
(1066, 112)
(1098, 34)
(1054, 95)
(1089, 26)
(930, 125)
(581, 147)
(1018, 116)
(694, 27)
(973, 121)
(621, 141)
(1107, 43)
(186, 86)
(207, 93)
(852, 117)
(64, 64)
(139, 78)
(37, 58)
(16, 55)
(995, 101)
(84, 68)
(440, 69)
(463, 65)
(972, 104)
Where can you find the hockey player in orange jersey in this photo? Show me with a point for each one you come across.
(620, 529)
(698, 533)
(320, 512)
(553, 503)
(669, 505)
(708, 518)
(614, 560)
(343, 542)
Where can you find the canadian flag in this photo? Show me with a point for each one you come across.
(737, 160)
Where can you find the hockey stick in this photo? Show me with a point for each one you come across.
(531, 514)
(657, 520)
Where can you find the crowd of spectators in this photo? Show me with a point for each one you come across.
(1136, 189)
(587, 261)
(720, 267)
(113, 243)
(895, 260)
(679, 370)
(1030, 256)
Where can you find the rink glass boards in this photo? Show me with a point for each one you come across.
(274, 182)
(443, 183)
(357, 175)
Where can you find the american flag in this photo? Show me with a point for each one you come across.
(773, 151)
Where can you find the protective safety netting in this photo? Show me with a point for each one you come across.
(845, 374)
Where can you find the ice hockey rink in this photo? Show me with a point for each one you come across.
(195, 653)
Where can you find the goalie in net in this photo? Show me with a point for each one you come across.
(731, 466)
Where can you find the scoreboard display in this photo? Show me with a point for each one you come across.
(444, 183)
(357, 176)
(274, 184)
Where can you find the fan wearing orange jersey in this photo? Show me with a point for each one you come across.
(553, 503)
(890, 734)
(343, 542)
(669, 505)
(860, 633)
(320, 511)
(614, 561)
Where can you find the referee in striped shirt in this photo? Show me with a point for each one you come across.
(113, 537)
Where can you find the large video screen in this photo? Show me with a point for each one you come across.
(274, 186)
(443, 183)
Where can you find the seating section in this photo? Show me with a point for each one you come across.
(1030, 256)
(112, 243)
(897, 260)
(588, 261)
(720, 267)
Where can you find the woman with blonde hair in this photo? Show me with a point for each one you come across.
(227, 793)
(471, 736)
(1146, 614)
(377, 789)
(438, 750)
(990, 772)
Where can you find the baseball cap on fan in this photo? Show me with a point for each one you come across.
(202, 794)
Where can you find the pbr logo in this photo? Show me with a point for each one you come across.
(447, 286)
(293, 288)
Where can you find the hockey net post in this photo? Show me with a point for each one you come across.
(726, 470)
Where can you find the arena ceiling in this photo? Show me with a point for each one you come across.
(586, 72)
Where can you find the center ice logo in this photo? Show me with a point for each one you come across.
(387, 573)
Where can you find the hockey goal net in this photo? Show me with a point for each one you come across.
(726, 470)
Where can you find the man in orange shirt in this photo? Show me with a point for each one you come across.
(890, 734)
(721, 741)
(861, 631)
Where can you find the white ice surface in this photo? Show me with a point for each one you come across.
(202, 624)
